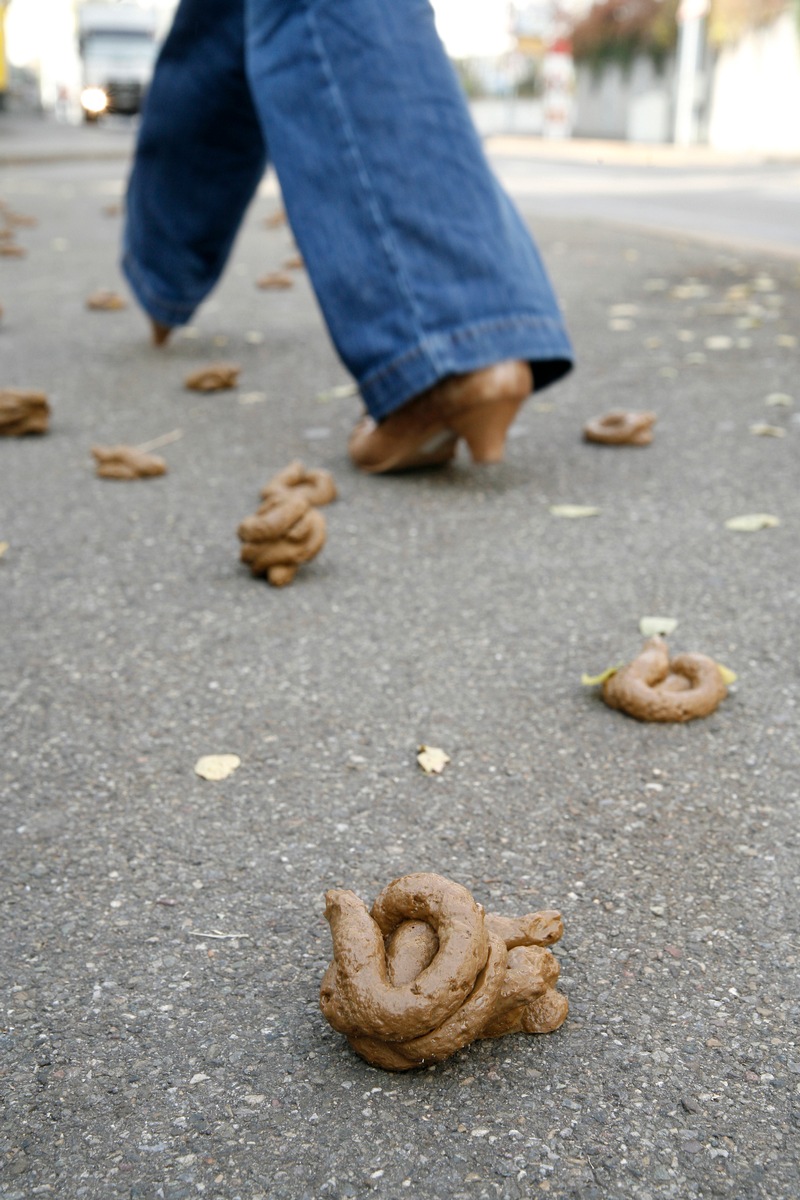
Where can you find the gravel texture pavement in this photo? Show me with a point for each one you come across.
(145, 1055)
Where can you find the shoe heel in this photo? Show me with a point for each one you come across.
(484, 428)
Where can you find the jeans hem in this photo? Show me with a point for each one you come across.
(167, 312)
(541, 341)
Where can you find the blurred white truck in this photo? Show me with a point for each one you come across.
(118, 48)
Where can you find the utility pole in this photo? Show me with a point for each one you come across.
(691, 15)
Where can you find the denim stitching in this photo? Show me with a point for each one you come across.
(142, 286)
(369, 192)
(468, 333)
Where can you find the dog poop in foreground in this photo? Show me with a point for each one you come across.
(656, 688)
(427, 971)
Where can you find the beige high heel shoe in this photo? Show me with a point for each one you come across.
(479, 406)
(160, 333)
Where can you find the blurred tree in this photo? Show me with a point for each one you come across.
(619, 31)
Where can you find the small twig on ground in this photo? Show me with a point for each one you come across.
(165, 439)
(217, 935)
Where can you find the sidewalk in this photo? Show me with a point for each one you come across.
(164, 941)
(38, 138)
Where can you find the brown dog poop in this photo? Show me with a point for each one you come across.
(655, 688)
(316, 485)
(216, 377)
(427, 971)
(619, 428)
(22, 412)
(285, 533)
(126, 462)
(106, 301)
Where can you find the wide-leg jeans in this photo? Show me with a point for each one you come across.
(420, 262)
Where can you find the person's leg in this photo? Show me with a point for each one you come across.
(199, 158)
(420, 262)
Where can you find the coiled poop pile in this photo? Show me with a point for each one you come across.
(427, 971)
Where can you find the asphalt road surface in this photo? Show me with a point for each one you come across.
(163, 939)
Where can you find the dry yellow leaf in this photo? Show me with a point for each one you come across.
(751, 522)
(3, 548)
(216, 766)
(594, 680)
(432, 760)
(574, 511)
(623, 310)
(657, 626)
(728, 676)
(774, 431)
(340, 392)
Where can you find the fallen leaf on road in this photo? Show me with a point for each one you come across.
(595, 680)
(728, 676)
(295, 263)
(623, 310)
(751, 522)
(105, 301)
(275, 280)
(779, 400)
(718, 342)
(774, 431)
(340, 392)
(574, 511)
(657, 626)
(216, 766)
(432, 760)
(3, 548)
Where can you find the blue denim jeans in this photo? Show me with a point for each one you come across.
(420, 262)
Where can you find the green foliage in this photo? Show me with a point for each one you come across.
(619, 31)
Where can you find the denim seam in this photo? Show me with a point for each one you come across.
(467, 333)
(369, 192)
(142, 286)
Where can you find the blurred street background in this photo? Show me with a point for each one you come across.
(163, 938)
